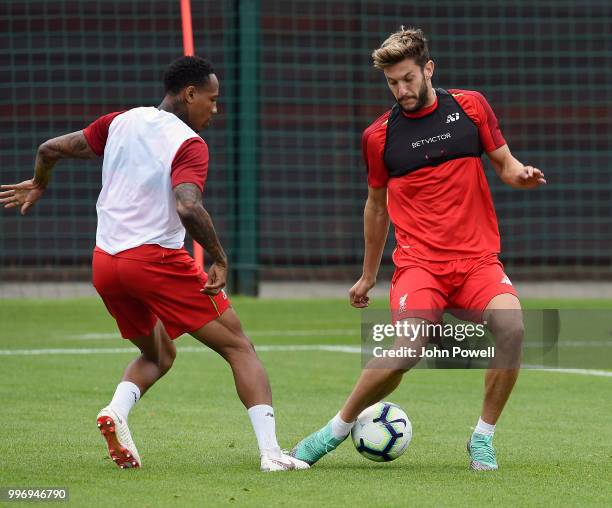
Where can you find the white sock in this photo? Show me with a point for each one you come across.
(340, 429)
(484, 428)
(126, 395)
(264, 425)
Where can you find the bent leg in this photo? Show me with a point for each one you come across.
(135, 319)
(504, 318)
(417, 296)
(225, 336)
(157, 356)
(157, 353)
(381, 377)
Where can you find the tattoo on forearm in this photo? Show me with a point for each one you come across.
(42, 169)
(197, 221)
(73, 145)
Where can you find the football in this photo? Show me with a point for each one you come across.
(382, 432)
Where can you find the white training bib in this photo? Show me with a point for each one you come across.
(136, 205)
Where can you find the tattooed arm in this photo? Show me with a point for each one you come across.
(69, 146)
(198, 223)
(25, 194)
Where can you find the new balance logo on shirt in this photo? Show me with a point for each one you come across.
(453, 117)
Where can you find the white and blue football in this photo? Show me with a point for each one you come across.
(382, 432)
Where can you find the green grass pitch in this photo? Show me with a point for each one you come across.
(553, 441)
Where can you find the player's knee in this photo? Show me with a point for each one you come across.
(516, 331)
(167, 360)
(395, 366)
(405, 365)
(164, 359)
(244, 344)
(510, 336)
(239, 346)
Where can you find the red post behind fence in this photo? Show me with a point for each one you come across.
(198, 251)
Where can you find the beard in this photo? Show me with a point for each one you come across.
(421, 99)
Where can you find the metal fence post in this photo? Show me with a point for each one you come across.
(246, 184)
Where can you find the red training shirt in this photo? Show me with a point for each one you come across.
(443, 212)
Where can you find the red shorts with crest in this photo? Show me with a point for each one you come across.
(147, 283)
(424, 289)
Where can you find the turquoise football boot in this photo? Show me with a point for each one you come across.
(319, 443)
(482, 454)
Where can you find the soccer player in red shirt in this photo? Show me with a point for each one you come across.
(425, 175)
(153, 175)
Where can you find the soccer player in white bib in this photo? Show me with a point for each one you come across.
(153, 176)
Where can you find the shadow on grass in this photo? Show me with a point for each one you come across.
(434, 467)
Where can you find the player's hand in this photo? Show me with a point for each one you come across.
(217, 277)
(23, 194)
(530, 177)
(358, 294)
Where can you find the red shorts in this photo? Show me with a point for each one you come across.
(140, 285)
(425, 289)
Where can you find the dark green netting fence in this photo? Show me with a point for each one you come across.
(287, 182)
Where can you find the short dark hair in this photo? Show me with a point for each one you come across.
(187, 71)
